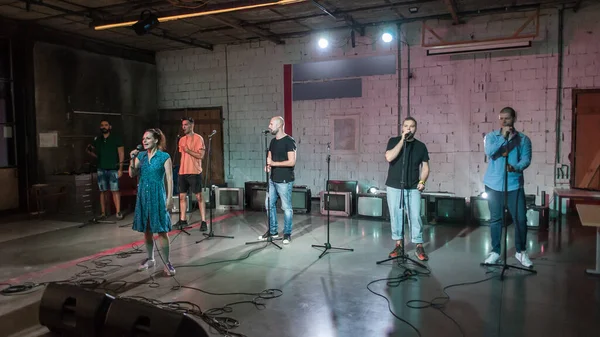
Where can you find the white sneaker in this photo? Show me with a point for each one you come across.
(523, 258)
(492, 258)
(147, 263)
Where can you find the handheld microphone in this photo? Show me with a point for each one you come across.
(265, 131)
(139, 148)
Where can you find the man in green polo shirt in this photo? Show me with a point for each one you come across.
(109, 150)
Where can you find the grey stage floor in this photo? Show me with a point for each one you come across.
(319, 297)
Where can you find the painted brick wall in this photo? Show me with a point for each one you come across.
(254, 82)
(456, 99)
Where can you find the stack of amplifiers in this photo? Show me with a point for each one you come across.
(256, 194)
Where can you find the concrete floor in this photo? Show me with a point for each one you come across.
(321, 297)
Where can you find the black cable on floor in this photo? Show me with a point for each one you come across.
(412, 275)
(93, 277)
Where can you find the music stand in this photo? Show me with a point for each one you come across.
(270, 239)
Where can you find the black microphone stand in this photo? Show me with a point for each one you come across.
(327, 245)
(403, 256)
(504, 265)
(210, 234)
(270, 239)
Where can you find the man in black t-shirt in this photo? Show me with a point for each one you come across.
(281, 160)
(406, 155)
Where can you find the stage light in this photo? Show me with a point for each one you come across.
(146, 23)
(323, 43)
(386, 37)
(196, 14)
(413, 9)
(373, 190)
(484, 195)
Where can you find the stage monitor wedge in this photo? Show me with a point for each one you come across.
(132, 318)
(69, 310)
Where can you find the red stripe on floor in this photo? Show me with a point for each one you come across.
(111, 251)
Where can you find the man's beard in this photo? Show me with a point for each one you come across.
(273, 132)
(103, 130)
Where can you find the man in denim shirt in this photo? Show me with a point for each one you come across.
(500, 145)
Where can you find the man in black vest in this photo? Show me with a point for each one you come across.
(406, 155)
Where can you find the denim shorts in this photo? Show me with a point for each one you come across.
(108, 179)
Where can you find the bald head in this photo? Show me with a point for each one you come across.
(276, 125)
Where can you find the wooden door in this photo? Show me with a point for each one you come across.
(585, 148)
(205, 121)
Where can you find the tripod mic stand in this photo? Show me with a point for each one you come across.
(504, 265)
(269, 239)
(327, 245)
(210, 234)
(403, 256)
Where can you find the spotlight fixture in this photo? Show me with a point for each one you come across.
(413, 10)
(373, 190)
(145, 24)
(323, 43)
(484, 195)
(387, 37)
(197, 14)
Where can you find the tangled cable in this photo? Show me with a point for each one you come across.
(437, 303)
(95, 278)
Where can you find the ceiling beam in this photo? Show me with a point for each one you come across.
(495, 10)
(350, 22)
(187, 11)
(396, 11)
(311, 16)
(165, 35)
(296, 21)
(90, 12)
(264, 33)
(577, 6)
(187, 41)
(451, 4)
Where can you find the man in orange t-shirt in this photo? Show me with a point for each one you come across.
(191, 147)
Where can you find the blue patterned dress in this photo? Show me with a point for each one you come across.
(151, 206)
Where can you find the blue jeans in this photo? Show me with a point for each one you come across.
(516, 208)
(283, 190)
(108, 180)
(412, 201)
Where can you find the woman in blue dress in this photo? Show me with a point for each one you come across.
(153, 202)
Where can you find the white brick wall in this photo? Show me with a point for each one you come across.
(455, 99)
